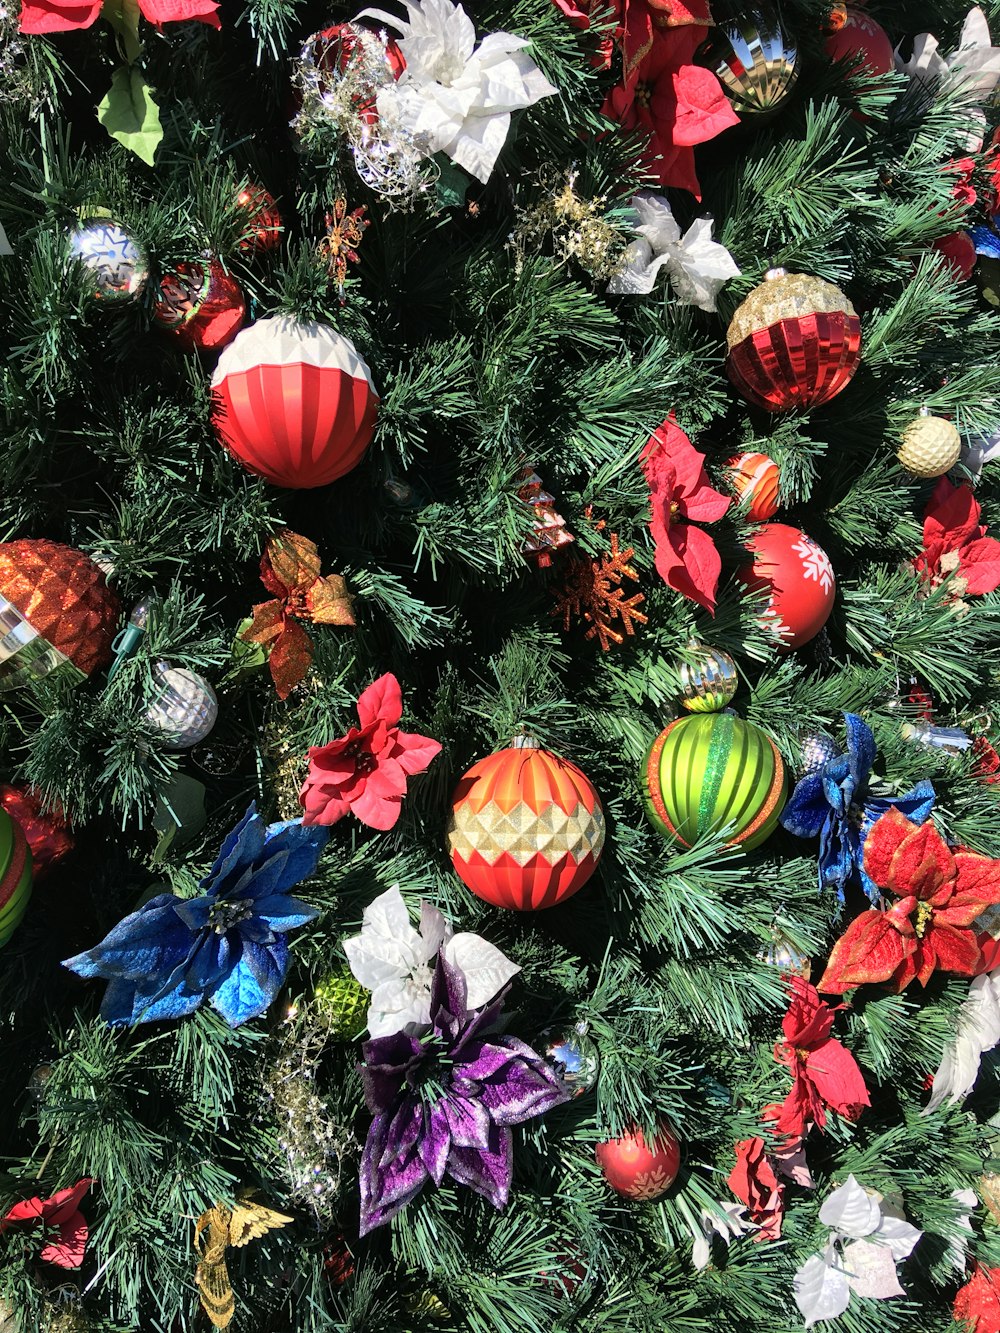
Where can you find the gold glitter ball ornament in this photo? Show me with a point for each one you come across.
(708, 680)
(931, 447)
(341, 1003)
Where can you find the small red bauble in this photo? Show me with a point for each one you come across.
(799, 576)
(263, 220)
(635, 1170)
(294, 402)
(959, 252)
(756, 477)
(795, 342)
(201, 306)
(526, 829)
(861, 36)
(47, 831)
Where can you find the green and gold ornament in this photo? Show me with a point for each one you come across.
(15, 875)
(714, 771)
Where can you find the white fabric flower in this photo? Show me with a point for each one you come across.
(453, 96)
(867, 1239)
(727, 1221)
(396, 962)
(977, 1031)
(973, 67)
(978, 450)
(698, 267)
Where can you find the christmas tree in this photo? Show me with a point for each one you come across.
(499, 678)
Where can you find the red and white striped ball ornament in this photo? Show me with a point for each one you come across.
(294, 402)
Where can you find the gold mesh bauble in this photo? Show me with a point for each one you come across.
(341, 1004)
(708, 679)
(56, 611)
(931, 447)
(785, 296)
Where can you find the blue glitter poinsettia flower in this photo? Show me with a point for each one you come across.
(835, 805)
(444, 1101)
(227, 947)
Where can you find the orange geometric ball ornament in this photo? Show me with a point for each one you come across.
(754, 478)
(56, 611)
(526, 829)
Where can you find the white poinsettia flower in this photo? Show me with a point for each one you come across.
(727, 1221)
(453, 96)
(976, 1032)
(396, 962)
(697, 266)
(974, 65)
(978, 450)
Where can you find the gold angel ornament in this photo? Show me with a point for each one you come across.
(214, 1232)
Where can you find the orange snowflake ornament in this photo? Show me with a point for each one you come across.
(593, 591)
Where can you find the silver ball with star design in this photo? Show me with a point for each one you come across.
(116, 262)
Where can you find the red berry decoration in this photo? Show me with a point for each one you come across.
(294, 402)
(49, 836)
(263, 220)
(635, 1170)
(755, 477)
(526, 829)
(795, 342)
(860, 35)
(799, 576)
(201, 306)
(57, 611)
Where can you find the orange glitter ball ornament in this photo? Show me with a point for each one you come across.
(56, 610)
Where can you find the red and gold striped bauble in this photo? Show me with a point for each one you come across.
(294, 402)
(756, 477)
(795, 342)
(526, 829)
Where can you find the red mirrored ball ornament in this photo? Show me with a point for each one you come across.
(294, 402)
(795, 342)
(526, 829)
(201, 306)
(637, 1171)
(799, 577)
(263, 228)
(49, 835)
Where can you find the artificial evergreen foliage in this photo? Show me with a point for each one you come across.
(494, 347)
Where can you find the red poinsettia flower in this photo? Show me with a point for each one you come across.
(289, 568)
(977, 1304)
(365, 771)
(679, 104)
(963, 169)
(686, 557)
(40, 16)
(825, 1075)
(581, 12)
(940, 892)
(754, 1182)
(62, 1214)
(987, 762)
(955, 542)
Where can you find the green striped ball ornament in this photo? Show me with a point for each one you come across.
(714, 771)
(15, 875)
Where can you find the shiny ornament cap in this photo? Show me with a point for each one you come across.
(64, 597)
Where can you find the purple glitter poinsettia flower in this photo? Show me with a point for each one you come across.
(444, 1103)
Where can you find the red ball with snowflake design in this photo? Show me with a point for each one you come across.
(799, 578)
(636, 1170)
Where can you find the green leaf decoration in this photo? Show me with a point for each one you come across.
(129, 114)
(123, 15)
(452, 183)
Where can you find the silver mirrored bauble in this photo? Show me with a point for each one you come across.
(116, 261)
(185, 707)
(782, 954)
(573, 1055)
(754, 60)
(816, 748)
(708, 681)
